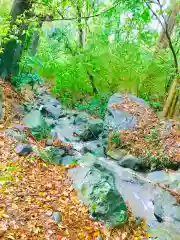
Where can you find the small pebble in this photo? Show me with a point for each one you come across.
(57, 217)
(48, 213)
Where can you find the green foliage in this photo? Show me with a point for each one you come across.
(115, 67)
(47, 156)
(96, 106)
(120, 65)
(25, 78)
(43, 133)
(116, 139)
(160, 161)
(154, 136)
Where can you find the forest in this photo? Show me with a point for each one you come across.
(103, 47)
(89, 119)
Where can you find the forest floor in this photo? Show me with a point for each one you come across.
(31, 191)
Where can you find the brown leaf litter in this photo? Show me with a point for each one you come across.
(35, 191)
(31, 190)
(150, 134)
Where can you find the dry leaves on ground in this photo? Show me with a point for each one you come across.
(30, 191)
(148, 136)
(34, 192)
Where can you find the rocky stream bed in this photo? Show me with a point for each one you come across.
(108, 182)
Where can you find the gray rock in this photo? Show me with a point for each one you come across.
(64, 131)
(131, 162)
(172, 180)
(95, 126)
(91, 130)
(41, 90)
(58, 154)
(57, 217)
(49, 142)
(16, 134)
(118, 119)
(70, 160)
(118, 98)
(164, 206)
(96, 188)
(48, 99)
(95, 147)
(23, 149)
(117, 154)
(164, 231)
(50, 111)
(158, 177)
(176, 214)
(37, 124)
(145, 200)
(51, 122)
(72, 138)
(81, 118)
(49, 106)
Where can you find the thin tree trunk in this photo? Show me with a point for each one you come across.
(34, 43)
(10, 58)
(171, 23)
(80, 26)
(91, 78)
(35, 39)
(81, 44)
(170, 105)
(167, 28)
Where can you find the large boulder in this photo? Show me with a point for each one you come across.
(96, 188)
(118, 119)
(146, 200)
(37, 124)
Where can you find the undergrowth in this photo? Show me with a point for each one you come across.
(122, 67)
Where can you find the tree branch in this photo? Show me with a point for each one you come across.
(85, 17)
(165, 28)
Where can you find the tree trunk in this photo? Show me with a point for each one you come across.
(171, 23)
(80, 25)
(170, 107)
(164, 41)
(81, 45)
(35, 41)
(91, 78)
(10, 58)
(172, 100)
